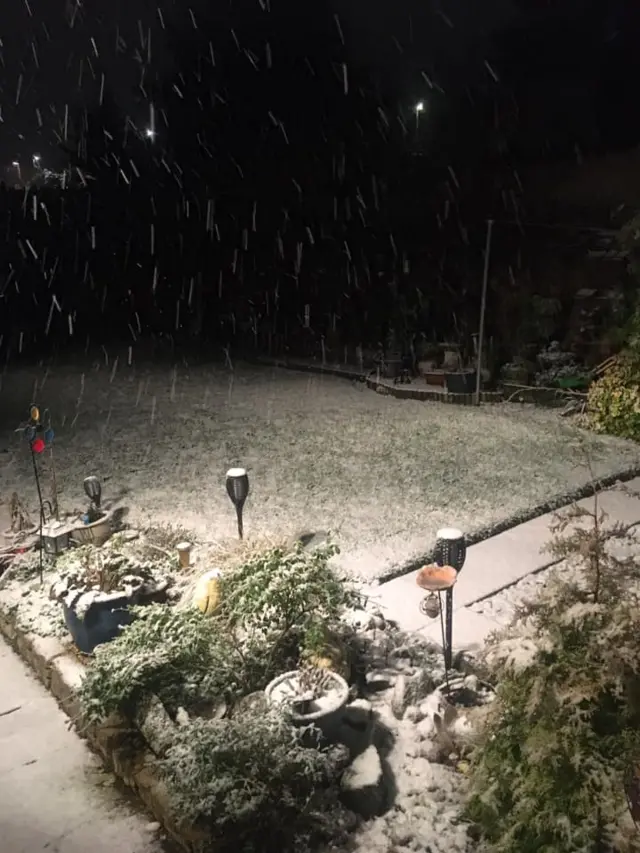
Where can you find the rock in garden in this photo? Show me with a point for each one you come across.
(378, 681)
(359, 620)
(419, 686)
(357, 729)
(363, 784)
(399, 699)
(130, 535)
(359, 712)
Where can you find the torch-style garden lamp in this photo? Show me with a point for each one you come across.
(451, 550)
(450, 553)
(93, 490)
(238, 489)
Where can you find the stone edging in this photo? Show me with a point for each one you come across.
(399, 391)
(61, 672)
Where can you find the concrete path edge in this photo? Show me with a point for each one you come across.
(552, 504)
(61, 672)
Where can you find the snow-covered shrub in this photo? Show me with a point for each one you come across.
(554, 769)
(613, 404)
(286, 598)
(274, 608)
(251, 781)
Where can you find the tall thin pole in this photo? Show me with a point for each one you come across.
(483, 308)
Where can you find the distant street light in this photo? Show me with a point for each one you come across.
(419, 108)
(36, 159)
(150, 133)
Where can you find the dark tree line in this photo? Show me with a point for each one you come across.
(284, 197)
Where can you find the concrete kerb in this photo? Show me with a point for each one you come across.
(62, 673)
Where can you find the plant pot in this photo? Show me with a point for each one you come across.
(95, 533)
(325, 712)
(435, 377)
(105, 619)
(392, 367)
(451, 357)
(427, 365)
(460, 382)
(578, 383)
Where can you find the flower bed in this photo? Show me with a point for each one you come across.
(176, 706)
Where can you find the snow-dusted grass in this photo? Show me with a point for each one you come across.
(322, 454)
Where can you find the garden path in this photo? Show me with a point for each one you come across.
(491, 566)
(54, 797)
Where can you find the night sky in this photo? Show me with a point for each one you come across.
(55, 51)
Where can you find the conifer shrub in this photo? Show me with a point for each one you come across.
(554, 771)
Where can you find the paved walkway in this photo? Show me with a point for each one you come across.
(491, 566)
(53, 796)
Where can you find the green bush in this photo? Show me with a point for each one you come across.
(248, 778)
(613, 403)
(552, 773)
(252, 783)
(272, 610)
(180, 656)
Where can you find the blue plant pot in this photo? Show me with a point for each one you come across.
(104, 620)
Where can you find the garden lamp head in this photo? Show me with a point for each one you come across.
(451, 548)
(237, 486)
(93, 490)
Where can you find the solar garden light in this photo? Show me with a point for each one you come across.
(451, 550)
(93, 490)
(450, 554)
(238, 489)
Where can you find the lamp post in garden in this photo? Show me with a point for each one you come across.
(450, 555)
(238, 490)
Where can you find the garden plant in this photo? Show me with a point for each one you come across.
(555, 770)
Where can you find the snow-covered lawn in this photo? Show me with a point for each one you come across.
(323, 454)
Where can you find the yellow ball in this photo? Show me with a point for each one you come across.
(206, 595)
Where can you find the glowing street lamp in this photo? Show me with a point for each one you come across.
(238, 489)
(419, 108)
(36, 159)
(150, 133)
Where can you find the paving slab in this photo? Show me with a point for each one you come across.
(55, 796)
(470, 630)
(499, 561)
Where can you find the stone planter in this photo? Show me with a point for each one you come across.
(95, 533)
(324, 712)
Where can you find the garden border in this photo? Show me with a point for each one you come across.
(398, 390)
(61, 673)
